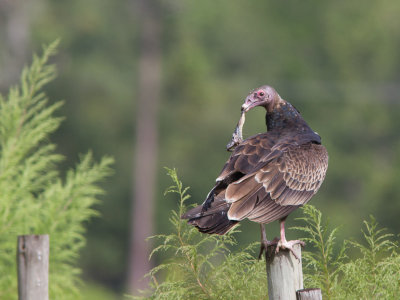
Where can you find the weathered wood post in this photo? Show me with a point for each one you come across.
(285, 274)
(33, 267)
(309, 294)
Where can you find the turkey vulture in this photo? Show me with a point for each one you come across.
(268, 175)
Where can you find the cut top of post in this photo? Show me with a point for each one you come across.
(309, 294)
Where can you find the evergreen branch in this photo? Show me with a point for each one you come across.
(34, 199)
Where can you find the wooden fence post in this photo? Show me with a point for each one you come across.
(285, 274)
(33, 267)
(309, 294)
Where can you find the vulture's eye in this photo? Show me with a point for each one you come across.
(261, 94)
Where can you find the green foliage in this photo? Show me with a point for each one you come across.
(203, 266)
(374, 274)
(336, 61)
(34, 199)
(322, 266)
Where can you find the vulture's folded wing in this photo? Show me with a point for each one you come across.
(247, 156)
(283, 180)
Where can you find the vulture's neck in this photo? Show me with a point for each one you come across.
(284, 117)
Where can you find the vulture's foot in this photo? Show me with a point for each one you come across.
(265, 244)
(284, 244)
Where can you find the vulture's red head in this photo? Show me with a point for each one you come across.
(264, 96)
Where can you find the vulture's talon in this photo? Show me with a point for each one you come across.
(288, 245)
(266, 244)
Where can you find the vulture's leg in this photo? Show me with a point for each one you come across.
(264, 242)
(283, 243)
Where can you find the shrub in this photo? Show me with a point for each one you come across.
(202, 266)
(34, 199)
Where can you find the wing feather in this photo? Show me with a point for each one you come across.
(288, 179)
(303, 168)
(266, 178)
(241, 189)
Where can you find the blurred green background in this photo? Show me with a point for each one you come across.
(338, 62)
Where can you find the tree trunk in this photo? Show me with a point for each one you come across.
(15, 18)
(145, 156)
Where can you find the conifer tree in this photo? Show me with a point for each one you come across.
(34, 197)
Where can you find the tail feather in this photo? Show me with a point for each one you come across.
(213, 220)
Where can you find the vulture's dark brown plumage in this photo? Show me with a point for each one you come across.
(268, 175)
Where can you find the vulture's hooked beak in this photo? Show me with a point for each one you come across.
(249, 103)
